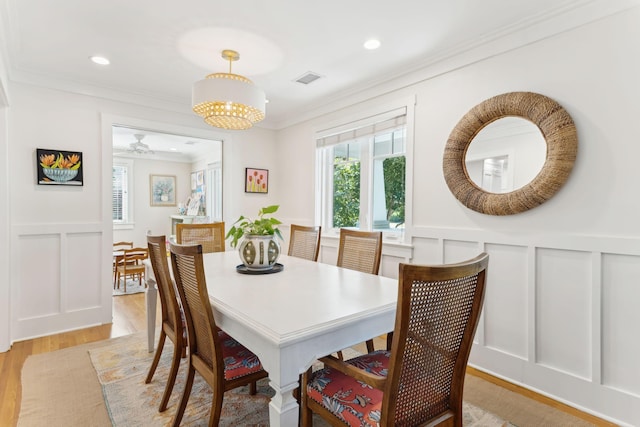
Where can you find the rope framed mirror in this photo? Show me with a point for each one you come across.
(561, 139)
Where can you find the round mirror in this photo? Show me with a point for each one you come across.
(506, 155)
(553, 123)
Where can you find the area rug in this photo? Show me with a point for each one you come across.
(133, 287)
(122, 368)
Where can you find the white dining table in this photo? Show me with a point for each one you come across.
(293, 317)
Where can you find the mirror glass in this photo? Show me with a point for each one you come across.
(506, 155)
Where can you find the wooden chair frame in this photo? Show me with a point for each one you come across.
(131, 265)
(306, 235)
(352, 240)
(172, 318)
(472, 274)
(190, 234)
(205, 349)
(117, 260)
(350, 250)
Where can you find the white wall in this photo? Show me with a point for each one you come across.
(5, 303)
(255, 149)
(60, 237)
(560, 309)
(153, 218)
(558, 315)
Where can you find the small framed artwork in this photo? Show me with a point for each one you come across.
(59, 167)
(163, 190)
(256, 180)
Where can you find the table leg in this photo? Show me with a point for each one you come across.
(151, 301)
(283, 408)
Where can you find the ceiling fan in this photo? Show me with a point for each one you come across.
(139, 147)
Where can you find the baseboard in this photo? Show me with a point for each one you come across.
(539, 398)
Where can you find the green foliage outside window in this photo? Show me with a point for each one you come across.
(394, 188)
(346, 193)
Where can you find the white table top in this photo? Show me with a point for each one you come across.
(292, 317)
(304, 299)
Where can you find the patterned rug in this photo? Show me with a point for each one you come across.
(122, 368)
(133, 287)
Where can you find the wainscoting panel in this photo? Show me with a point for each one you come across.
(621, 289)
(39, 290)
(83, 271)
(457, 250)
(59, 279)
(560, 314)
(506, 300)
(563, 310)
(428, 251)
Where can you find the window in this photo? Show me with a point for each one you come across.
(362, 175)
(122, 209)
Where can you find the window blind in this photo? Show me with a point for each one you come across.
(365, 127)
(119, 194)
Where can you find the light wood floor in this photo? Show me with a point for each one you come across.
(128, 318)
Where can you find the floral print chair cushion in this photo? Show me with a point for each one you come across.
(352, 401)
(238, 360)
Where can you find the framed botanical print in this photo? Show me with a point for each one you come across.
(256, 180)
(163, 190)
(59, 167)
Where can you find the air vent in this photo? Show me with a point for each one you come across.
(308, 77)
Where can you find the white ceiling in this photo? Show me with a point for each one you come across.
(158, 49)
(168, 147)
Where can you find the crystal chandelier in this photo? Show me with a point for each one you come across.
(228, 101)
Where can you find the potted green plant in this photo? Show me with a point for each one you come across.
(259, 248)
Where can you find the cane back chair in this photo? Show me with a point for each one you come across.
(361, 251)
(420, 380)
(173, 325)
(304, 242)
(210, 236)
(222, 361)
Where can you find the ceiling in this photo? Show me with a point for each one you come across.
(162, 146)
(158, 49)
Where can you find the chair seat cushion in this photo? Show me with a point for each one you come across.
(352, 401)
(238, 360)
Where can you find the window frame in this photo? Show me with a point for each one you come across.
(324, 169)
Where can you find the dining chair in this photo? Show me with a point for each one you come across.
(420, 380)
(223, 362)
(131, 266)
(304, 242)
(173, 325)
(210, 236)
(118, 252)
(361, 251)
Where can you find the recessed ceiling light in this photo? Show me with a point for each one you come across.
(173, 149)
(372, 44)
(100, 60)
